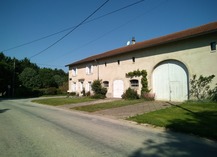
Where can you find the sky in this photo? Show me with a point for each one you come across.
(39, 29)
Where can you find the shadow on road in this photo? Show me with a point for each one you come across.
(3, 110)
(176, 145)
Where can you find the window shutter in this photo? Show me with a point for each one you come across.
(86, 69)
(76, 71)
(91, 69)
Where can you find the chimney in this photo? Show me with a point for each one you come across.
(133, 40)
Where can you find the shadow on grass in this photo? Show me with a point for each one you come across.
(203, 123)
(178, 145)
(3, 110)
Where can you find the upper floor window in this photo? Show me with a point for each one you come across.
(118, 62)
(134, 83)
(105, 84)
(133, 59)
(74, 71)
(213, 46)
(89, 69)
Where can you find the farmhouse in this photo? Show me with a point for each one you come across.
(170, 62)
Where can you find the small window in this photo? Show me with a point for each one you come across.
(74, 72)
(106, 84)
(118, 62)
(134, 83)
(89, 69)
(213, 46)
(133, 59)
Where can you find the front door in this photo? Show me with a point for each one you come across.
(118, 88)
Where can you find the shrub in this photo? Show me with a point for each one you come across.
(99, 91)
(213, 94)
(27, 92)
(200, 87)
(51, 91)
(130, 94)
(148, 96)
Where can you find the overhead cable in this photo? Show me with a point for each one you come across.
(66, 29)
(70, 30)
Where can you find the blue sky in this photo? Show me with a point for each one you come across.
(23, 21)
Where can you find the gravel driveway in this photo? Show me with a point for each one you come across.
(125, 111)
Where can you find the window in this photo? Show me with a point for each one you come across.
(213, 46)
(133, 59)
(74, 87)
(74, 71)
(88, 86)
(118, 62)
(81, 85)
(134, 83)
(89, 69)
(106, 84)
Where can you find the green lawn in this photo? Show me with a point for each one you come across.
(195, 118)
(62, 101)
(107, 105)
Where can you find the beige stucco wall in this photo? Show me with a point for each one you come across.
(194, 53)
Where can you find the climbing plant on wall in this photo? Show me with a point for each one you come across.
(144, 80)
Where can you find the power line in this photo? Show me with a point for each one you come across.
(70, 31)
(88, 21)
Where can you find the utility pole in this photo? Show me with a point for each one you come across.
(13, 88)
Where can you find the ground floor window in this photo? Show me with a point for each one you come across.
(106, 84)
(88, 87)
(134, 83)
(74, 88)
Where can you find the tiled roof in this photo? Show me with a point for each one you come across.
(189, 33)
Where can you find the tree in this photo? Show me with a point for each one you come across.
(46, 76)
(6, 73)
(30, 78)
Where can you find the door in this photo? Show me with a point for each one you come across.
(118, 88)
(170, 81)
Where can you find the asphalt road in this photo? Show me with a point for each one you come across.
(32, 130)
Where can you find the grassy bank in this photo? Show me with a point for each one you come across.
(195, 118)
(62, 101)
(107, 105)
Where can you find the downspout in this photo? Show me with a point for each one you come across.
(97, 64)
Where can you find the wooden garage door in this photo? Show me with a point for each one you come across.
(170, 81)
(118, 88)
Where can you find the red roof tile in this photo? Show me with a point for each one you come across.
(189, 33)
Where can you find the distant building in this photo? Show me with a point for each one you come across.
(170, 62)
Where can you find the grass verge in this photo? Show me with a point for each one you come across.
(192, 117)
(107, 105)
(62, 101)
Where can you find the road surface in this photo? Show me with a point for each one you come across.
(33, 130)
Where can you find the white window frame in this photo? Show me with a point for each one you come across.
(134, 83)
(88, 86)
(89, 69)
(74, 71)
(106, 84)
(74, 87)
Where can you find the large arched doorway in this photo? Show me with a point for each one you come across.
(170, 81)
(118, 88)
